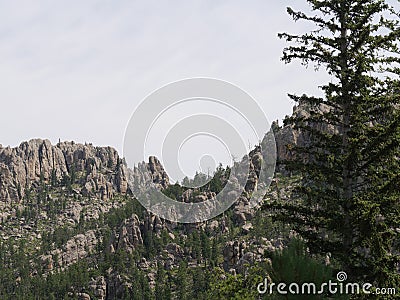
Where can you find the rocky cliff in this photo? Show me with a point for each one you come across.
(100, 170)
(96, 171)
(288, 136)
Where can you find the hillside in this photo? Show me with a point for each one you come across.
(71, 229)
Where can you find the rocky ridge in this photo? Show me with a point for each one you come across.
(91, 181)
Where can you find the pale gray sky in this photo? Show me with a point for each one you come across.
(76, 70)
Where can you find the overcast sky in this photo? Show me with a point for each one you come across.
(76, 70)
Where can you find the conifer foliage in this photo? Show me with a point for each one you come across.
(347, 200)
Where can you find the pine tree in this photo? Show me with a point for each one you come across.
(200, 283)
(214, 252)
(347, 200)
(182, 282)
(53, 177)
(205, 246)
(162, 291)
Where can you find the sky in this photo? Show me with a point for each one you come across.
(76, 70)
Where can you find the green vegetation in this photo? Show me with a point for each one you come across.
(347, 202)
(294, 264)
(338, 210)
(214, 184)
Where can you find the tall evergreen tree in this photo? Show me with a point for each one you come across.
(347, 200)
(182, 282)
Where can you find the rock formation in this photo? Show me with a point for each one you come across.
(75, 249)
(97, 171)
(130, 235)
(288, 136)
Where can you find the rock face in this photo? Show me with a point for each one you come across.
(159, 175)
(242, 212)
(98, 171)
(172, 255)
(130, 235)
(132, 231)
(288, 136)
(76, 248)
(152, 223)
(233, 252)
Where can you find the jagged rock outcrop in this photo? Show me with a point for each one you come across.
(159, 176)
(130, 235)
(172, 255)
(233, 252)
(288, 136)
(242, 211)
(152, 223)
(75, 249)
(99, 171)
(175, 250)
